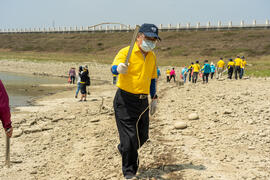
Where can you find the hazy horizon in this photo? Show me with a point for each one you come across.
(37, 13)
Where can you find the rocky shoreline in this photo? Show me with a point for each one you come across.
(215, 131)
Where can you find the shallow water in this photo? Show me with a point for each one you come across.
(23, 88)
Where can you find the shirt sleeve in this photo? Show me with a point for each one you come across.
(153, 88)
(121, 56)
(4, 107)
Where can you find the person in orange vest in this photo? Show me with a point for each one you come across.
(230, 67)
(220, 68)
(238, 64)
(196, 70)
(244, 62)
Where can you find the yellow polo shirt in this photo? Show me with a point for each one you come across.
(220, 64)
(230, 63)
(244, 62)
(196, 68)
(168, 72)
(238, 62)
(140, 71)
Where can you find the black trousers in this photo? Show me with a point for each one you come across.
(205, 77)
(189, 76)
(127, 109)
(172, 76)
(212, 75)
(230, 72)
(237, 70)
(168, 78)
(195, 77)
(72, 78)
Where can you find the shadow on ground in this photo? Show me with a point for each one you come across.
(160, 171)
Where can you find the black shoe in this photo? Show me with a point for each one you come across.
(76, 96)
(84, 100)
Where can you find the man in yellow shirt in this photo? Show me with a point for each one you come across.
(243, 65)
(196, 70)
(230, 67)
(135, 81)
(168, 75)
(238, 64)
(220, 68)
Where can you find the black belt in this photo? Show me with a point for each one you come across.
(139, 96)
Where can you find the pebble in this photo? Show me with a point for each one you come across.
(180, 125)
(193, 116)
(95, 120)
(17, 133)
(227, 111)
(57, 119)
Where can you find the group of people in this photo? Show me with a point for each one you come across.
(194, 70)
(136, 80)
(83, 80)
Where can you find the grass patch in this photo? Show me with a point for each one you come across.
(175, 49)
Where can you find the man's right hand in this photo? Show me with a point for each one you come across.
(9, 132)
(122, 68)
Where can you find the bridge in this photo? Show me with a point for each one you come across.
(110, 27)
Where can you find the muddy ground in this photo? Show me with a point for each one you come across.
(61, 138)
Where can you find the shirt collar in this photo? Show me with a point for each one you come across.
(136, 47)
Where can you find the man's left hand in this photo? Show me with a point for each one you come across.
(153, 106)
(9, 132)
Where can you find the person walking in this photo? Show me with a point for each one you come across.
(5, 116)
(196, 70)
(190, 71)
(243, 65)
(168, 75)
(184, 73)
(72, 75)
(213, 70)
(114, 79)
(172, 75)
(220, 68)
(131, 106)
(78, 81)
(238, 64)
(158, 73)
(206, 71)
(85, 81)
(230, 68)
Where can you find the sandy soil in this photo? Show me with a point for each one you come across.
(61, 138)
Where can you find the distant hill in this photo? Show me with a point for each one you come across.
(175, 47)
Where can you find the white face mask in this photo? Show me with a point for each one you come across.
(148, 45)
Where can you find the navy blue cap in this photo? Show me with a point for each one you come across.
(149, 30)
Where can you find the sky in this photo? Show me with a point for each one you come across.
(49, 13)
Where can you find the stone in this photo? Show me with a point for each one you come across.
(17, 133)
(95, 120)
(193, 116)
(33, 130)
(56, 119)
(33, 172)
(227, 111)
(180, 125)
(70, 117)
